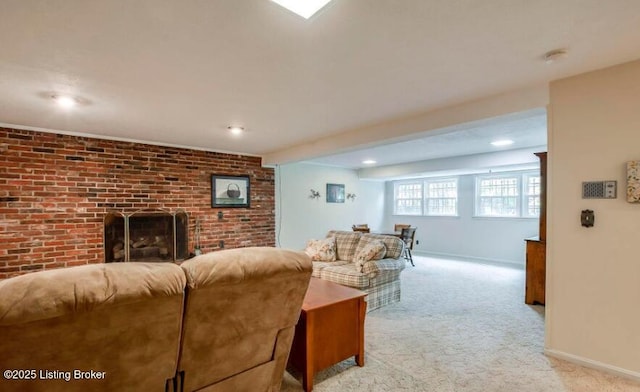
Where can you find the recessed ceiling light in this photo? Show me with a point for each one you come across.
(304, 8)
(500, 143)
(235, 130)
(65, 101)
(369, 162)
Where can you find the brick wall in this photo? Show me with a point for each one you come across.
(56, 189)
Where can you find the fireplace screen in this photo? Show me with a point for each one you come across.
(148, 235)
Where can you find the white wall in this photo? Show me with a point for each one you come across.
(593, 274)
(299, 218)
(485, 239)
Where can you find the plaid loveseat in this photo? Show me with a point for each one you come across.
(380, 279)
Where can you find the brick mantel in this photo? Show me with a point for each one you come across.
(55, 191)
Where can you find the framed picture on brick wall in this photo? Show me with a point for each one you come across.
(230, 191)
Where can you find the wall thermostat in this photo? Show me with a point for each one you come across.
(599, 189)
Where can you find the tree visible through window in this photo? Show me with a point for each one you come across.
(441, 197)
(532, 195)
(408, 198)
(498, 196)
(427, 197)
(511, 195)
(508, 195)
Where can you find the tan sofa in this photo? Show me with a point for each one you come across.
(381, 280)
(223, 321)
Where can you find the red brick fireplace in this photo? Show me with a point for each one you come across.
(56, 190)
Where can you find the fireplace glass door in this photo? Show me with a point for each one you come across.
(147, 235)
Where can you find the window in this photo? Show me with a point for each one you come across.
(508, 195)
(408, 198)
(497, 196)
(531, 195)
(441, 197)
(436, 197)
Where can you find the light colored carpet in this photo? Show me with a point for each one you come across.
(460, 327)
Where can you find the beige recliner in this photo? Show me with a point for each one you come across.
(240, 316)
(223, 321)
(122, 319)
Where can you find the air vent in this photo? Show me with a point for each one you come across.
(599, 190)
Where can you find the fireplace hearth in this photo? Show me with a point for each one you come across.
(146, 235)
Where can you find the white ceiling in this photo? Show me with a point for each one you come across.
(179, 72)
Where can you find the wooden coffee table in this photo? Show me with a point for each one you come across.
(330, 328)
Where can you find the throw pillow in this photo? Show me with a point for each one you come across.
(322, 250)
(346, 243)
(374, 250)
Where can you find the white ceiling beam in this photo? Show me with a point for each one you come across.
(411, 127)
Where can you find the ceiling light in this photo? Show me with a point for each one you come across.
(501, 143)
(235, 130)
(555, 55)
(65, 101)
(304, 8)
(369, 162)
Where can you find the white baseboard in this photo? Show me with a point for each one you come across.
(593, 364)
(500, 262)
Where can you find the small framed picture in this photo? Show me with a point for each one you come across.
(230, 191)
(335, 193)
(633, 181)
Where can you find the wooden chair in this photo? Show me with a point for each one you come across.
(400, 226)
(408, 233)
(363, 228)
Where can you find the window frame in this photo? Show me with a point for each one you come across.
(522, 196)
(423, 183)
(426, 197)
(396, 185)
(526, 195)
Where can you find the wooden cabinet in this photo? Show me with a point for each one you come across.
(536, 268)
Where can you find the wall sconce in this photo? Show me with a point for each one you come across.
(314, 194)
(351, 196)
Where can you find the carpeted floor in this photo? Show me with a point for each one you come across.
(460, 327)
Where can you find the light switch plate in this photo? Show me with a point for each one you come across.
(610, 189)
